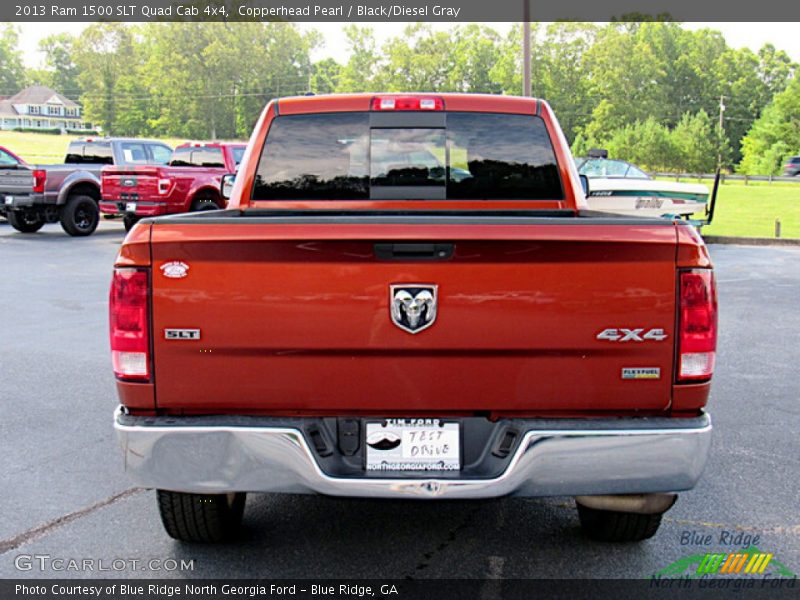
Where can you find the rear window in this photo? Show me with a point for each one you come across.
(238, 154)
(474, 156)
(160, 154)
(197, 157)
(90, 153)
(133, 153)
(6, 158)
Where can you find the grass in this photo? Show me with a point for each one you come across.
(45, 148)
(750, 210)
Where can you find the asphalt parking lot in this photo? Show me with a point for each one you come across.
(65, 494)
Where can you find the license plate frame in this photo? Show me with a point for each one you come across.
(412, 445)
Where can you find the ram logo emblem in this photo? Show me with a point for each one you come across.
(413, 306)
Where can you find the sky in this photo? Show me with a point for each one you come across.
(783, 36)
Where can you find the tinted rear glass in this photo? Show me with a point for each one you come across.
(197, 157)
(238, 154)
(161, 154)
(478, 156)
(90, 153)
(6, 158)
(133, 153)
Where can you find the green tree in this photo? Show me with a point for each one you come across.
(695, 144)
(559, 72)
(12, 71)
(103, 53)
(647, 143)
(213, 79)
(59, 52)
(358, 74)
(775, 70)
(507, 70)
(325, 76)
(420, 60)
(475, 50)
(774, 136)
(625, 71)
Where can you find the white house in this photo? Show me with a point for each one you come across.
(40, 107)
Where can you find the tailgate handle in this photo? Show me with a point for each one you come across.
(414, 251)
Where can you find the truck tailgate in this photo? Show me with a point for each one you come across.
(296, 317)
(121, 183)
(16, 180)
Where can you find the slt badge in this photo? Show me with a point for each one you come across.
(413, 306)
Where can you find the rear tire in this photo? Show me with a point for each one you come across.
(204, 204)
(129, 221)
(205, 518)
(80, 216)
(25, 221)
(615, 526)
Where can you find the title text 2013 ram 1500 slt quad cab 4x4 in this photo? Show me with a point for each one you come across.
(406, 298)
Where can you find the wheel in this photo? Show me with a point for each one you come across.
(25, 221)
(204, 204)
(201, 517)
(129, 221)
(614, 526)
(80, 215)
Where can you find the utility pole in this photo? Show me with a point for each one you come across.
(526, 48)
(720, 131)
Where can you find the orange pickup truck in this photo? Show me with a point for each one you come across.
(407, 298)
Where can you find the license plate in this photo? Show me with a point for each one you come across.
(130, 207)
(9, 199)
(413, 445)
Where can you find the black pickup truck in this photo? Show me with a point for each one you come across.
(32, 195)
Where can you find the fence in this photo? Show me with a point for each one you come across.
(725, 177)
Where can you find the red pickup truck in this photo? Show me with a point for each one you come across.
(407, 298)
(190, 182)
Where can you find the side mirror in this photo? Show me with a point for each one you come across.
(226, 185)
(584, 184)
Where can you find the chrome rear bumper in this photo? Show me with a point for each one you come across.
(568, 457)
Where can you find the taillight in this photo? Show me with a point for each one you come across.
(697, 339)
(39, 177)
(164, 185)
(407, 103)
(130, 333)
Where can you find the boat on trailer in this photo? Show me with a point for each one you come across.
(621, 188)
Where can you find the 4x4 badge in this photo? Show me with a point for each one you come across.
(413, 306)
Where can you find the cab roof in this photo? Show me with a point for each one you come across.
(364, 102)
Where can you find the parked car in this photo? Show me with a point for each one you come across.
(359, 329)
(191, 182)
(69, 192)
(621, 188)
(792, 167)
